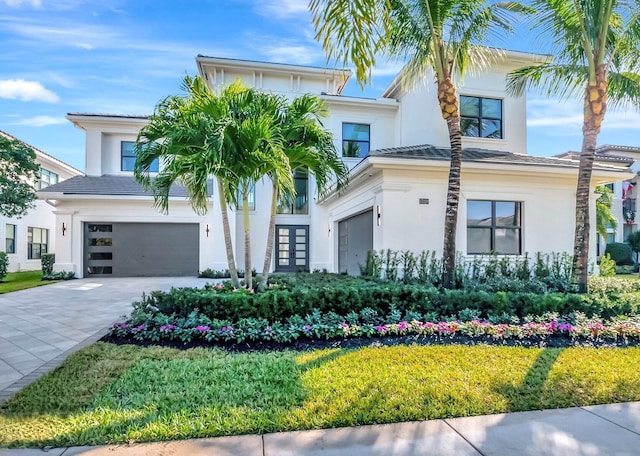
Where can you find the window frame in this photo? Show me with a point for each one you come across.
(14, 230)
(154, 168)
(358, 141)
(48, 180)
(42, 246)
(480, 117)
(494, 226)
(288, 207)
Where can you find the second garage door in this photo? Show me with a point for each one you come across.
(355, 240)
(141, 249)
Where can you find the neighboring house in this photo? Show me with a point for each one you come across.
(396, 148)
(625, 203)
(28, 237)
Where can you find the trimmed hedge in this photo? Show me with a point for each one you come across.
(620, 253)
(330, 293)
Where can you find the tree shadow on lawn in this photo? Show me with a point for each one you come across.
(158, 399)
(532, 394)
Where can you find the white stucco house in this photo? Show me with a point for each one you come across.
(28, 237)
(397, 149)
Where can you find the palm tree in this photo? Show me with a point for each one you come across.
(190, 135)
(310, 148)
(441, 35)
(597, 55)
(604, 217)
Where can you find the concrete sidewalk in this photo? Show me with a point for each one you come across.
(600, 430)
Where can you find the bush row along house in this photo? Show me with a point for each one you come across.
(27, 238)
(396, 147)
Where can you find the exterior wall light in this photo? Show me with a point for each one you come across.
(379, 215)
(206, 230)
(64, 228)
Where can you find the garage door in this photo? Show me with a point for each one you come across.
(355, 240)
(141, 249)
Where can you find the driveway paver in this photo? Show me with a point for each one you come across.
(40, 326)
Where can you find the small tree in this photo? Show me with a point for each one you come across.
(634, 242)
(4, 265)
(18, 171)
(604, 217)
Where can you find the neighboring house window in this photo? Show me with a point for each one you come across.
(609, 186)
(298, 204)
(10, 245)
(481, 117)
(37, 240)
(355, 140)
(494, 227)
(128, 157)
(251, 198)
(46, 178)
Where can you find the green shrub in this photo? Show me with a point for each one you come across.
(607, 266)
(620, 253)
(47, 260)
(625, 269)
(4, 265)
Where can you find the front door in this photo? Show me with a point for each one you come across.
(292, 248)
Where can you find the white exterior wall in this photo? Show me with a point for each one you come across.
(420, 120)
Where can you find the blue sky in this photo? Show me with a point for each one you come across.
(122, 57)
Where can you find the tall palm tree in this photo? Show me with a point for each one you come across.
(440, 35)
(604, 216)
(190, 136)
(597, 55)
(309, 147)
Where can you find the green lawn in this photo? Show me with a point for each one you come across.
(15, 281)
(108, 393)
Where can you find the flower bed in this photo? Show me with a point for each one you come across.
(199, 329)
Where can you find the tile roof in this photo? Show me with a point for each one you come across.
(429, 152)
(599, 156)
(109, 185)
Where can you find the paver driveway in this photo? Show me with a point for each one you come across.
(40, 324)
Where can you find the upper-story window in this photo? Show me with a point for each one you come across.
(481, 117)
(128, 157)
(298, 204)
(46, 178)
(494, 227)
(355, 140)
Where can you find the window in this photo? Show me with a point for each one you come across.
(251, 198)
(10, 245)
(128, 157)
(37, 240)
(297, 204)
(494, 227)
(481, 117)
(46, 178)
(355, 140)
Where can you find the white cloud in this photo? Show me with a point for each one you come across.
(19, 89)
(298, 54)
(568, 117)
(41, 121)
(19, 3)
(282, 9)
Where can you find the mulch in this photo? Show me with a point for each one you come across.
(556, 341)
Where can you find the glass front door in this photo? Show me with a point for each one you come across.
(292, 248)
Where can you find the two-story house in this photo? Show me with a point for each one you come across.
(28, 237)
(397, 149)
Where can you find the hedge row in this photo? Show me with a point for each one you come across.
(285, 300)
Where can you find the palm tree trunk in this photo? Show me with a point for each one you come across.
(270, 238)
(233, 272)
(248, 275)
(595, 104)
(448, 99)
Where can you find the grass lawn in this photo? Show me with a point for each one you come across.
(107, 393)
(627, 276)
(15, 281)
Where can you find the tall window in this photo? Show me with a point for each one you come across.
(37, 241)
(494, 227)
(10, 243)
(298, 204)
(128, 157)
(481, 117)
(46, 178)
(355, 140)
(251, 198)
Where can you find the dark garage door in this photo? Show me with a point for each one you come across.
(141, 249)
(355, 240)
